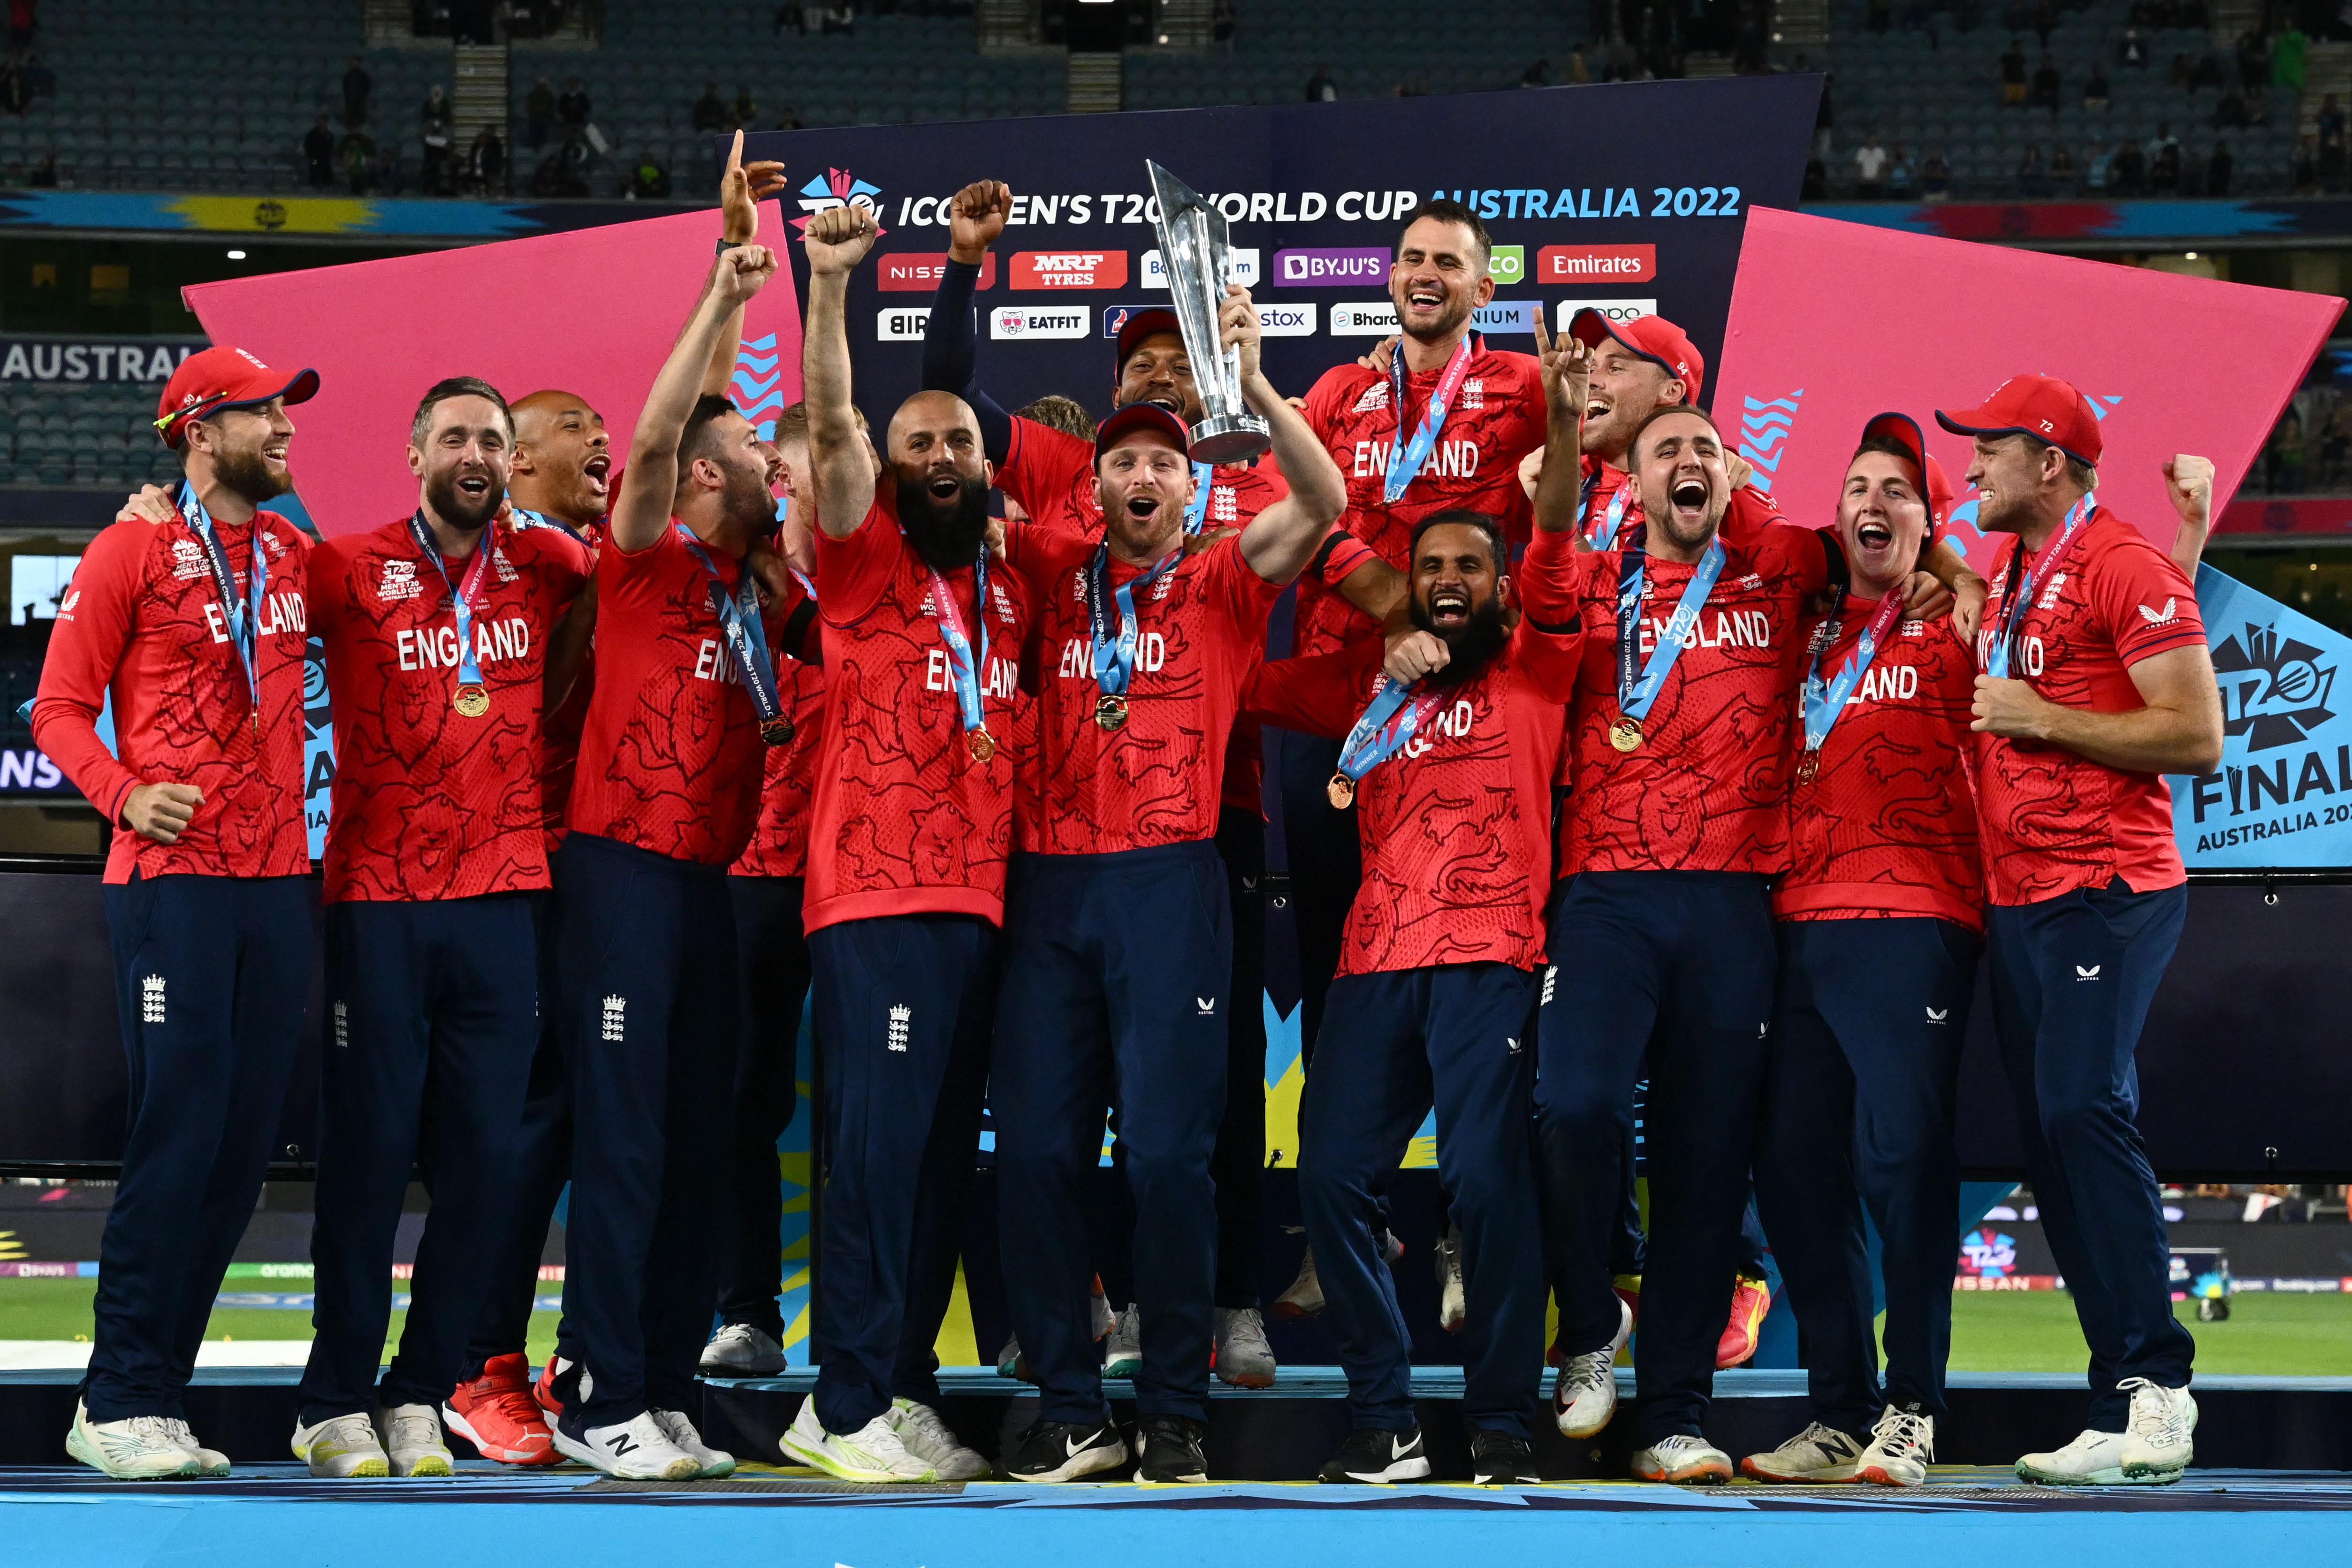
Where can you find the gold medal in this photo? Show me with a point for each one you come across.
(1808, 767)
(1342, 791)
(1110, 710)
(471, 701)
(1625, 734)
(778, 730)
(983, 745)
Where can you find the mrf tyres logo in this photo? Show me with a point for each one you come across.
(1764, 425)
(839, 188)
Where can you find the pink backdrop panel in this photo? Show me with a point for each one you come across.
(1831, 323)
(592, 312)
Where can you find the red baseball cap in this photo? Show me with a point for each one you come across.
(2041, 406)
(1654, 338)
(220, 378)
(1144, 323)
(1905, 431)
(1141, 417)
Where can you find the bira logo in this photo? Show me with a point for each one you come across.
(617, 1012)
(839, 188)
(2274, 690)
(1069, 270)
(1764, 425)
(901, 1018)
(398, 582)
(1987, 1253)
(150, 999)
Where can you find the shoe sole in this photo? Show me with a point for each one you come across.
(582, 1454)
(1192, 1478)
(1500, 1481)
(2119, 1477)
(817, 1460)
(364, 1470)
(1413, 1469)
(1122, 1367)
(1084, 1462)
(1246, 1379)
(429, 1466)
(1291, 1311)
(1879, 1476)
(1688, 1476)
(1560, 1420)
(491, 1451)
(88, 1454)
(1828, 1475)
(2140, 1472)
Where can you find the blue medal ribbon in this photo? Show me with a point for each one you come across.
(964, 661)
(242, 613)
(739, 613)
(1637, 689)
(1197, 513)
(2025, 583)
(1824, 700)
(1605, 536)
(1115, 652)
(1408, 460)
(1393, 716)
(462, 599)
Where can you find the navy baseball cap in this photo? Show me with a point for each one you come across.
(1144, 324)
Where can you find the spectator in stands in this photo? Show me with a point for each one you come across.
(2229, 114)
(1870, 161)
(2097, 92)
(2130, 177)
(2335, 446)
(2287, 59)
(433, 172)
(2283, 460)
(24, 18)
(1935, 176)
(841, 18)
(2208, 73)
(744, 112)
(2133, 50)
(44, 174)
(1578, 72)
(2253, 60)
(786, 120)
(2098, 169)
(1902, 179)
(384, 174)
(356, 153)
(15, 96)
(1536, 75)
(2307, 166)
(2045, 17)
(1320, 88)
(40, 79)
(319, 153)
(649, 182)
(1221, 26)
(2046, 85)
(2331, 145)
(357, 86)
(793, 16)
(2012, 75)
(2164, 161)
(571, 107)
(486, 162)
(538, 114)
(2181, 72)
(2032, 177)
(2218, 164)
(710, 110)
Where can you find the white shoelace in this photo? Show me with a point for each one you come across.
(1902, 1431)
(926, 1424)
(1679, 1443)
(1245, 1332)
(878, 1440)
(2157, 1413)
(1831, 1442)
(416, 1432)
(154, 1429)
(1590, 1369)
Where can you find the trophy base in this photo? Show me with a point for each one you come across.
(1230, 439)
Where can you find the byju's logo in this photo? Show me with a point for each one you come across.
(1763, 426)
(2274, 690)
(839, 188)
(1987, 1254)
(1323, 269)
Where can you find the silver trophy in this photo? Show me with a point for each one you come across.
(1200, 262)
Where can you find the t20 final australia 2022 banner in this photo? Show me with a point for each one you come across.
(1631, 198)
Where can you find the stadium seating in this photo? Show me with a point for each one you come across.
(91, 435)
(1372, 50)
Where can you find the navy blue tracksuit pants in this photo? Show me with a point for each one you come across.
(1394, 1045)
(1860, 1090)
(2072, 980)
(1114, 993)
(429, 1050)
(1678, 964)
(210, 978)
(774, 990)
(1325, 864)
(644, 963)
(903, 1007)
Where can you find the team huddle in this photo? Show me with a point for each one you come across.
(1611, 800)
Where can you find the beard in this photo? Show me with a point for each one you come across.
(455, 508)
(247, 474)
(1457, 312)
(1470, 647)
(946, 534)
(746, 502)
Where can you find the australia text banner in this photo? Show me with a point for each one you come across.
(1629, 196)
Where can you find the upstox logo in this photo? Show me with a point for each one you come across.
(1016, 321)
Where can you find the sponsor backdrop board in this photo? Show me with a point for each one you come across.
(1630, 195)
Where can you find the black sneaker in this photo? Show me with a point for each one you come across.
(1169, 1449)
(1502, 1460)
(1372, 1456)
(1064, 1450)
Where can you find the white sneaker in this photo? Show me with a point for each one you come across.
(342, 1447)
(1305, 1297)
(210, 1463)
(872, 1453)
(1452, 1306)
(2156, 1446)
(1902, 1447)
(1241, 1353)
(922, 1433)
(680, 1430)
(413, 1441)
(1817, 1456)
(1123, 1346)
(137, 1448)
(1684, 1460)
(1008, 1360)
(740, 1350)
(636, 1449)
(1584, 1395)
(2092, 1460)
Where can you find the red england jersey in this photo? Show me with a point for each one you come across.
(560, 727)
(779, 845)
(670, 758)
(142, 619)
(907, 820)
(1706, 789)
(430, 803)
(1888, 824)
(2053, 821)
(1496, 419)
(1456, 826)
(1157, 779)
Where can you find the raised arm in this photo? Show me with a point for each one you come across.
(649, 487)
(1281, 540)
(742, 189)
(2189, 481)
(1560, 483)
(976, 215)
(837, 240)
